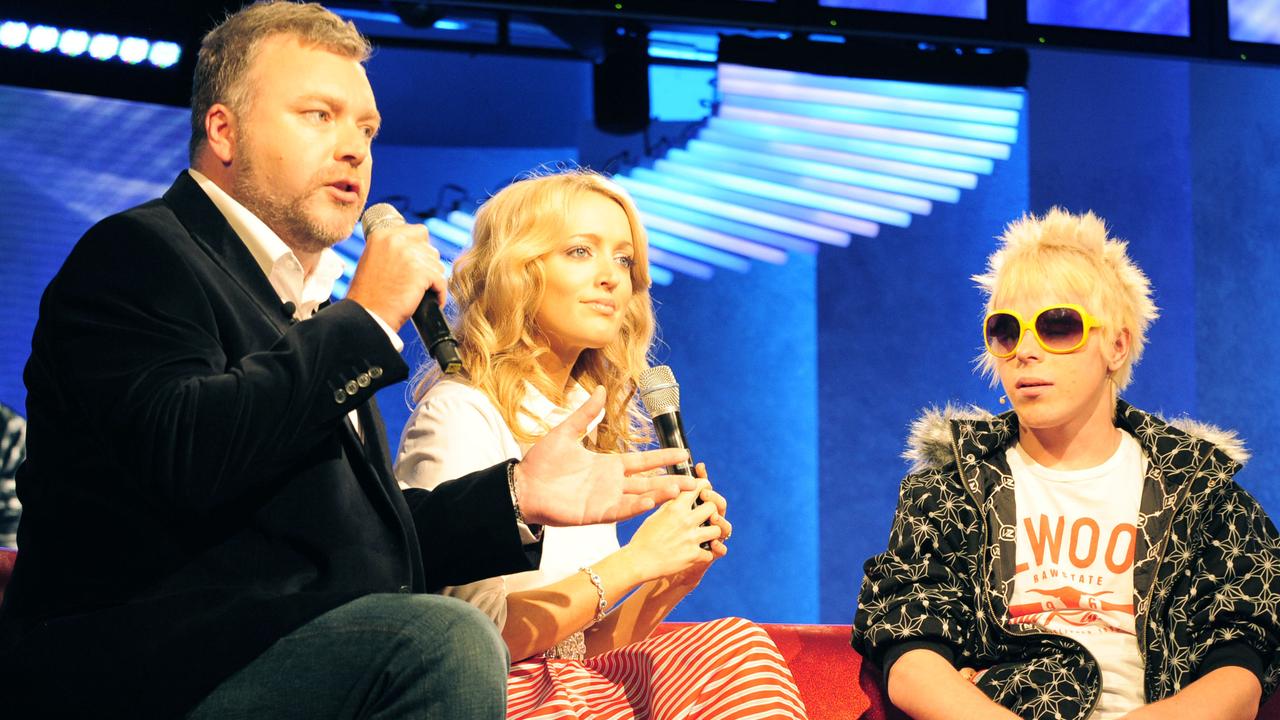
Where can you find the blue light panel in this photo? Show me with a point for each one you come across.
(1156, 17)
(974, 9)
(874, 187)
(1009, 99)
(873, 148)
(713, 238)
(690, 166)
(644, 184)
(754, 233)
(822, 156)
(1254, 20)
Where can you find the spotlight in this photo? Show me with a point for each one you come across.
(73, 43)
(133, 50)
(43, 38)
(164, 54)
(13, 34)
(103, 46)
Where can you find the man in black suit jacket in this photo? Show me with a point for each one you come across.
(211, 526)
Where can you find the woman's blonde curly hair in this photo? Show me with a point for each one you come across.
(497, 288)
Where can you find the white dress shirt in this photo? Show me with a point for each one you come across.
(282, 267)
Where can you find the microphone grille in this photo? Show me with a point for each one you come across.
(659, 391)
(380, 216)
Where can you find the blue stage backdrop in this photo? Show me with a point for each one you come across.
(800, 380)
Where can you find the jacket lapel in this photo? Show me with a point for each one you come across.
(214, 236)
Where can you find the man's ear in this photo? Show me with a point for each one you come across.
(1118, 350)
(219, 130)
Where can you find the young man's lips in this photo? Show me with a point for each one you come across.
(1032, 383)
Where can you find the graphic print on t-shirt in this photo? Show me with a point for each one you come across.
(1076, 539)
(1078, 567)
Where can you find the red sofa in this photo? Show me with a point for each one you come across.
(833, 682)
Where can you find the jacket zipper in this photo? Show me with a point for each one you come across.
(986, 592)
(1159, 557)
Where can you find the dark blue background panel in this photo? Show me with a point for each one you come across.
(68, 161)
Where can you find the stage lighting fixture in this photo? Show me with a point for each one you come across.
(133, 50)
(13, 34)
(164, 54)
(43, 38)
(75, 43)
(103, 46)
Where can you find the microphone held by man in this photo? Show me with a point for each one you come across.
(427, 318)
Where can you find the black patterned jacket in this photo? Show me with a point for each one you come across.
(1206, 572)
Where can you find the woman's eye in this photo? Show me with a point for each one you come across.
(626, 261)
(578, 251)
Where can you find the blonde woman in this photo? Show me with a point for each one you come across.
(553, 306)
(1075, 557)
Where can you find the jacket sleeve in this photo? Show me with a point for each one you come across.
(920, 591)
(448, 435)
(1232, 609)
(139, 343)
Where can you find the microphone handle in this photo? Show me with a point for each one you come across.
(434, 331)
(670, 431)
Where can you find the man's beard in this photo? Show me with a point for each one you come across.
(287, 216)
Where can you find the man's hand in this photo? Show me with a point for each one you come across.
(560, 482)
(396, 268)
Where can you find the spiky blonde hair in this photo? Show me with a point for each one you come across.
(1072, 257)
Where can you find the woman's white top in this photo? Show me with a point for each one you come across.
(456, 430)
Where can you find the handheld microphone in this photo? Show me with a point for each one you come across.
(427, 319)
(660, 395)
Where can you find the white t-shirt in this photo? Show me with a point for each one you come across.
(456, 430)
(1076, 537)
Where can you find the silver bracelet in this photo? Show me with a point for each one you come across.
(511, 485)
(536, 530)
(595, 580)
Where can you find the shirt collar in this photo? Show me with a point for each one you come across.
(277, 261)
(536, 405)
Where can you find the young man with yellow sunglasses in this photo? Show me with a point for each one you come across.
(1074, 557)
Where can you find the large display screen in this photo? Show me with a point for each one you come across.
(1254, 20)
(1155, 17)
(976, 9)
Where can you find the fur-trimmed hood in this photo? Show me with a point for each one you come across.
(929, 442)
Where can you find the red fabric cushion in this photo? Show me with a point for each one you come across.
(7, 558)
(825, 666)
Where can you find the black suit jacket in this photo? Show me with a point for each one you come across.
(193, 490)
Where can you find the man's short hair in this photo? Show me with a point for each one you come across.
(228, 51)
(1070, 255)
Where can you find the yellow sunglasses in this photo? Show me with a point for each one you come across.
(1059, 329)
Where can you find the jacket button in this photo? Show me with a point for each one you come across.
(339, 396)
(375, 372)
(352, 388)
(363, 380)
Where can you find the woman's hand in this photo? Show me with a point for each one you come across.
(690, 577)
(667, 543)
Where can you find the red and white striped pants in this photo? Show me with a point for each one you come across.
(721, 670)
